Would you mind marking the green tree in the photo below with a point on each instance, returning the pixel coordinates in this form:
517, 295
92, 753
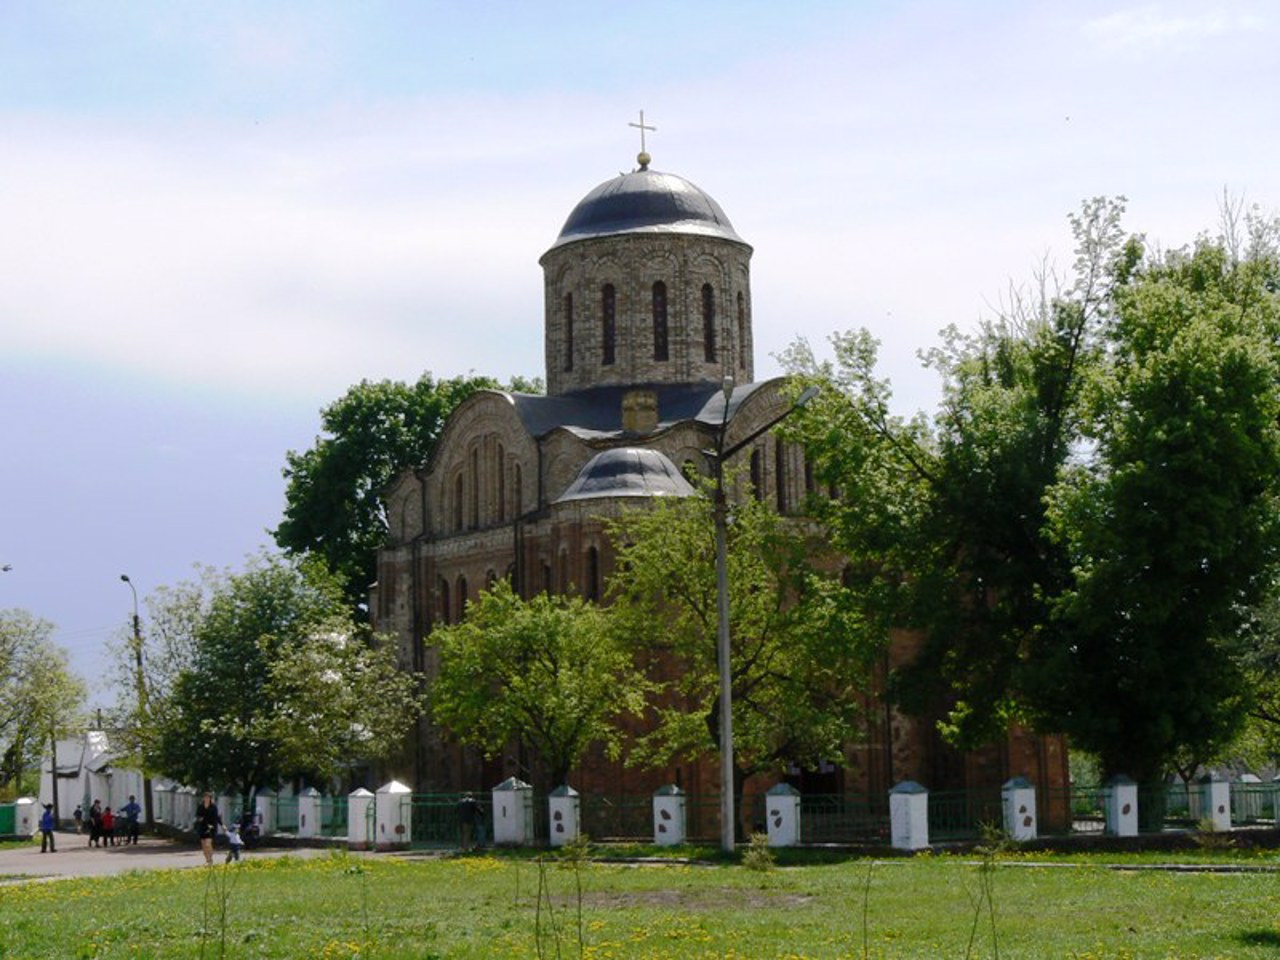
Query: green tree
281, 683
1089, 512
333, 497
547, 672
1170, 525
799, 657
40, 697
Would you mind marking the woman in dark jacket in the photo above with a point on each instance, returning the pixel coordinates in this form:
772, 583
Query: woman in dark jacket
207, 823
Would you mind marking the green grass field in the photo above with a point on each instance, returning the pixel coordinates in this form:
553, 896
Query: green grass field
494, 907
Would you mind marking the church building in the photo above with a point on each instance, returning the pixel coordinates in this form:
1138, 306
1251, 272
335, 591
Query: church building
649, 354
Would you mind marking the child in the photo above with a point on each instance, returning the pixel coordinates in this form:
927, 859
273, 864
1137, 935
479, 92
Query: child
108, 827
234, 842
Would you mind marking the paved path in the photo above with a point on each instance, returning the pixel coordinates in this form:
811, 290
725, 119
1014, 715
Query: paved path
75, 858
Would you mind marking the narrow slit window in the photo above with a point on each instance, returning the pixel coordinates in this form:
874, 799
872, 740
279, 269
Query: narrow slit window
742, 331
660, 321
708, 323
568, 332
608, 324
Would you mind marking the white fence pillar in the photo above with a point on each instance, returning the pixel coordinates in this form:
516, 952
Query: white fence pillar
264, 811
164, 795
1122, 807
394, 815
564, 807
782, 811
184, 816
513, 813
309, 813
26, 816
1215, 794
670, 815
909, 816
1019, 799
360, 819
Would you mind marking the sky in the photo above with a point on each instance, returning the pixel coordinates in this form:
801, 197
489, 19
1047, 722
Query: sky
215, 218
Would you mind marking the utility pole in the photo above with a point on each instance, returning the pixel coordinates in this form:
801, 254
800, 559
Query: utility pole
144, 713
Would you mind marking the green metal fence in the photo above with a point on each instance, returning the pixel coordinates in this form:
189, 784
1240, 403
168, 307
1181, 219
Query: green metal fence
286, 814
1077, 809
434, 819
617, 818
1253, 804
333, 817
963, 814
832, 818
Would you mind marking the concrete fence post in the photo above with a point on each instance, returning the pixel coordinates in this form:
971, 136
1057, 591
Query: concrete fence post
670, 812
309, 813
513, 813
1122, 806
909, 816
564, 808
360, 819
394, 816
1018, 797
1215, 795
782, 811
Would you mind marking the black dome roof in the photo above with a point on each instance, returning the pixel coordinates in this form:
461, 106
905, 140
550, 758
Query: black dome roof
628, 472
646, 201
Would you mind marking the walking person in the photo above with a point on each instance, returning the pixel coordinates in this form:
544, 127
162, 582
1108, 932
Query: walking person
131, 811
95, 822
78, 817
234, 841
207, 823
47, 824
468, 814
108, 828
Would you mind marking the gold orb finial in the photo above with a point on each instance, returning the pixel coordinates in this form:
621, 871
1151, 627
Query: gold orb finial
643, 159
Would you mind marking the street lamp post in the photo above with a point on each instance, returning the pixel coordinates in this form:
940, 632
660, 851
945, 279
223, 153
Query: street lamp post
141, 683
720, 513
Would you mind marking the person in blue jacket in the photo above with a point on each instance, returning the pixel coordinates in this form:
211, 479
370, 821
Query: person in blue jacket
46, 829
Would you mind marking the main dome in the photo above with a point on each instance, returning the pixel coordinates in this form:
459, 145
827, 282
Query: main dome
646, 201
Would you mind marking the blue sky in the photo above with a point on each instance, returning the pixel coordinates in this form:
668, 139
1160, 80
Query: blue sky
216, 217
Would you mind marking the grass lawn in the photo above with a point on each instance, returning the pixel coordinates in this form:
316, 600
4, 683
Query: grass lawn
494, 907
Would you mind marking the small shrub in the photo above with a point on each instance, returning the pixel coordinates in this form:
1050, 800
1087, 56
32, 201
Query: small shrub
1207, 836
758, 856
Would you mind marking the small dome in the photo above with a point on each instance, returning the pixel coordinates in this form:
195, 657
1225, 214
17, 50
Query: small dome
646, 201
628, 472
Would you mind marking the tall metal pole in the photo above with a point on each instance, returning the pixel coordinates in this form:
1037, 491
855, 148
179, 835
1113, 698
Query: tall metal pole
720, 510
727, 807
141, 683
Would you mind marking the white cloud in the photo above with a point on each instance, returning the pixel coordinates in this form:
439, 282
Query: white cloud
1155, 27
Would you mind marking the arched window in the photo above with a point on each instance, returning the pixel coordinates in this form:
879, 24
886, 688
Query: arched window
593, 574
445, 609
547, 585
457, 502
780, 473
500, 471
742, 331
810, 485
608, 324
659, 321
568, 332
475, 488
462, 598
708, 323
757, 474
518, 494
564, 570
